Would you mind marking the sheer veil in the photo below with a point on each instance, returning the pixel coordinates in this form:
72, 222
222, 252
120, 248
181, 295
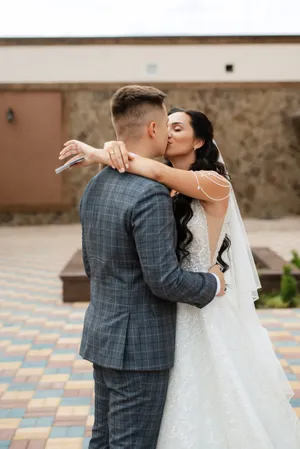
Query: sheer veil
243, 283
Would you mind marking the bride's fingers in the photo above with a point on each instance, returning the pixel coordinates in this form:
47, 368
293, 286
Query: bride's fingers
113, 157
69, 150
68, 153
64, 151
124, 154
70, 146
70, 142
118, 158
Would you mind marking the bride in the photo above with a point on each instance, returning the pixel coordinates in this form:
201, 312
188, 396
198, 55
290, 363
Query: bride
227, 389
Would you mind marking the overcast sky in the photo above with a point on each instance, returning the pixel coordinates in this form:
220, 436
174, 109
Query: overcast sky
59, 18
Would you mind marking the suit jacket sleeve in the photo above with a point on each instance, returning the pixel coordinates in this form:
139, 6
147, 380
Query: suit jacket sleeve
153, 231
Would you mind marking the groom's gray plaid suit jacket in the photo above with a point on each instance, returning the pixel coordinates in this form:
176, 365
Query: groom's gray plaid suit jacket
128, 240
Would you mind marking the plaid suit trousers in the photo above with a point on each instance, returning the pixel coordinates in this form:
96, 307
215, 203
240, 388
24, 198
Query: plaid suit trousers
128, 408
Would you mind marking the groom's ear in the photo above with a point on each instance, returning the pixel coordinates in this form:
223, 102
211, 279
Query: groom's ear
152, 130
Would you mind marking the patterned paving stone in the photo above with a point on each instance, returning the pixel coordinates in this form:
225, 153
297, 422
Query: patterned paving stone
46, 389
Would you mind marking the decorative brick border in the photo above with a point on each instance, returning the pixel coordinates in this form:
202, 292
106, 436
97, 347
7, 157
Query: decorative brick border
271, 269
76, 286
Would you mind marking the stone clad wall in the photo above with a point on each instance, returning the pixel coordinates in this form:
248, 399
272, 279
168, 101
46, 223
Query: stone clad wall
256, 128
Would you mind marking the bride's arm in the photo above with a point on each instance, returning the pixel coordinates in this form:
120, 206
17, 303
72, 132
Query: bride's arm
203, 185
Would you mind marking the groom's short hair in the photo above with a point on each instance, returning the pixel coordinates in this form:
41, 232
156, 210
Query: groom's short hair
130, 104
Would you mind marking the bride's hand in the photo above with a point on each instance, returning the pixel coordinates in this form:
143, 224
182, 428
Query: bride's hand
78, 149
118, 155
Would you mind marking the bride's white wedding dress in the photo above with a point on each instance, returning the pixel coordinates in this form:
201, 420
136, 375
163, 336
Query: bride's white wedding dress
226, 388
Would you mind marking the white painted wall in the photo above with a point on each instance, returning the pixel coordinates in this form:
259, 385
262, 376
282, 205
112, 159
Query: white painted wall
149, 63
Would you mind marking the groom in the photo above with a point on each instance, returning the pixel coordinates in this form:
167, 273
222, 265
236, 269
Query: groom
129, 240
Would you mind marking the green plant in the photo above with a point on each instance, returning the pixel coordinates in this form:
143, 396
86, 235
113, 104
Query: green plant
288, 287
276, 303
270, 301
295, 259
288, 296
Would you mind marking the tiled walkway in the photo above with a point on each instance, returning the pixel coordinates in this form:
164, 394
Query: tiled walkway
45, 387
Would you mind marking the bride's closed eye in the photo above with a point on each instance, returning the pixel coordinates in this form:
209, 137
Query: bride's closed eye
175, 128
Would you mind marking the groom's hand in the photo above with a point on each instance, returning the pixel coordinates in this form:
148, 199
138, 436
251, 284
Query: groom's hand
217, 271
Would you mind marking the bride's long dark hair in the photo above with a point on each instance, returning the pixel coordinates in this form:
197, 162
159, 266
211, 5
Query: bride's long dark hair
206, 159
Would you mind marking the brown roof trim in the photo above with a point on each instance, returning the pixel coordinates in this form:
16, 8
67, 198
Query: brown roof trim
154, 40
71, 87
